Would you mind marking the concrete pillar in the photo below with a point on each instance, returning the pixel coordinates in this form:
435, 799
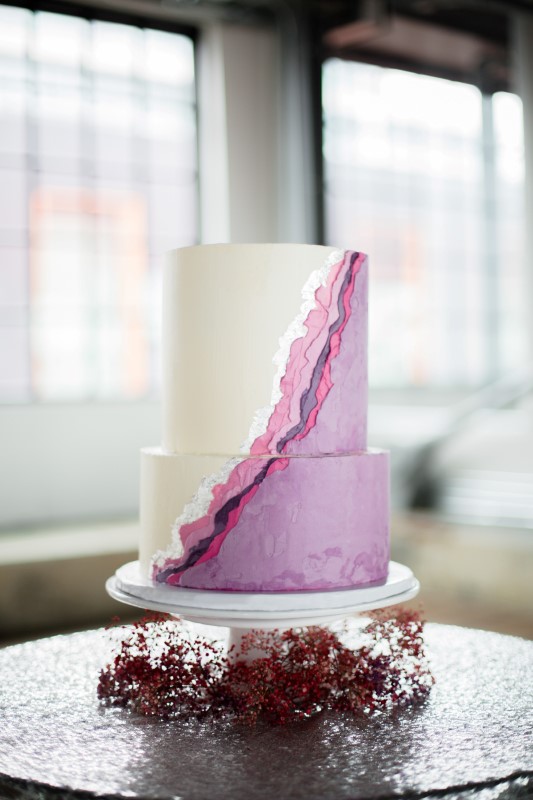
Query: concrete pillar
258, 180
523, 71
238, 134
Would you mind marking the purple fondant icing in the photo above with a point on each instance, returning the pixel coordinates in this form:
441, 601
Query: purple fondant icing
321, 523
306, 521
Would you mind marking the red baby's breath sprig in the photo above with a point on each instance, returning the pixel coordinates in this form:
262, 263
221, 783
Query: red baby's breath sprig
162, 670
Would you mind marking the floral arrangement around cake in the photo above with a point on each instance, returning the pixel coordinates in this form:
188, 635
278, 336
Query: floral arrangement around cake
164, 670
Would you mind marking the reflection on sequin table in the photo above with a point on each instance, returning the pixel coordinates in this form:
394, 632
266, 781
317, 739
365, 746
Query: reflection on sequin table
473, 737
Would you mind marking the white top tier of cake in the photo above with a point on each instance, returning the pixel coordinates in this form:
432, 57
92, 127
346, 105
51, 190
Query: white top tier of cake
230, 316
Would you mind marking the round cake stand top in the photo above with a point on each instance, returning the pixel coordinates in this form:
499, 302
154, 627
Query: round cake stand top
245, 610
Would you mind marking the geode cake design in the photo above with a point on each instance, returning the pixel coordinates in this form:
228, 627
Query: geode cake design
306, 505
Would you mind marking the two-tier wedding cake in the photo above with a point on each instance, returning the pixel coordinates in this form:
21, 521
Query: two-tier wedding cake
264, 482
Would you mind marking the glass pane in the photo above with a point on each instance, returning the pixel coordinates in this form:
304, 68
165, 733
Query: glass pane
407, 171
170, 213
13, 277
171, 141
14, 346
13, 201
169, 59
58, 118
13, 142
97, 177
58, 39
14, 27
115, 49
14, 365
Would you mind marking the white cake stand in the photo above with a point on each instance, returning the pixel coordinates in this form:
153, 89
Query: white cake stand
243, 611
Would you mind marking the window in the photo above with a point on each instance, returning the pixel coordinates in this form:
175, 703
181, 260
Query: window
426, 175
98, 178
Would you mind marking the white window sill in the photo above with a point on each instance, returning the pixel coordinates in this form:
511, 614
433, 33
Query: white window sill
54, 579
68, 542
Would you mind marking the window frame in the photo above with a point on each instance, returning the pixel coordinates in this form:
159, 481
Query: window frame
40, 438
35, 433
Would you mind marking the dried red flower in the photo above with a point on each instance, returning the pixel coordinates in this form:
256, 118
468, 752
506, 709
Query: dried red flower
161, 671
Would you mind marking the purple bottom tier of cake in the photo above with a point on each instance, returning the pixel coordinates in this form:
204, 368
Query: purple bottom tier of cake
310, 523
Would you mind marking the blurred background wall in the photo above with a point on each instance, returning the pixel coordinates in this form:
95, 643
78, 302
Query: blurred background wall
404, 129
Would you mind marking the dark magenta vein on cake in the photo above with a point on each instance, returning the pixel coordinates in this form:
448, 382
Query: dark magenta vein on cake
308, 400
308, 403
220, 521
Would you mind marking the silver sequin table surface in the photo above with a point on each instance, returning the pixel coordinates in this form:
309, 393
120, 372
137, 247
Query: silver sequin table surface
471, 738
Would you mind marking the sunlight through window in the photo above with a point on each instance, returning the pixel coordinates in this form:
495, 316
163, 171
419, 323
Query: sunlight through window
98, 178
421, 177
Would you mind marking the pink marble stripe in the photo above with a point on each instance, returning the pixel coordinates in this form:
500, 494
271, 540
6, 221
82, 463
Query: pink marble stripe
303, 359
303, 356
